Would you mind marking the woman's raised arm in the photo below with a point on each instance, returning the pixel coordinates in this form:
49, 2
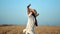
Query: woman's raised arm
28, 9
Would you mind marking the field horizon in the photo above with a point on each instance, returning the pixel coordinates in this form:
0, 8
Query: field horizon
17, 29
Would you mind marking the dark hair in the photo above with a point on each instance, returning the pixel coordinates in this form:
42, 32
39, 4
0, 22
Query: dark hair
35, 19
33, 15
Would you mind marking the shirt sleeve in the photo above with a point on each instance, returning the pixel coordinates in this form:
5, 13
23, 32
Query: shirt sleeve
30, 14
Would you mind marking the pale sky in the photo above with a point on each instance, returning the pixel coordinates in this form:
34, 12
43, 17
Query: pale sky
14, 11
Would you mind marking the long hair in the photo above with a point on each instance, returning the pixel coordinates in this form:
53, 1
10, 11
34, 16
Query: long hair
35, 19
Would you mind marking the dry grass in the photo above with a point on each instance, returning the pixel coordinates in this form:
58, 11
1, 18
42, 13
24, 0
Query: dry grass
16, 29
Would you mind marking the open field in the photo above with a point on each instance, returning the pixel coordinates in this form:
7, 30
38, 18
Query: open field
17, 29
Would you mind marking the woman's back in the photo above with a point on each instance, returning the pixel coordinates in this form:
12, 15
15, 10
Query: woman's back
31, 21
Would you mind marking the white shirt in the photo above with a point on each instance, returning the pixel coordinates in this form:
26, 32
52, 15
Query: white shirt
30, 23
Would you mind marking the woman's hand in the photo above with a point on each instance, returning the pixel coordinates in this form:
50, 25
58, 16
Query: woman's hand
28, 5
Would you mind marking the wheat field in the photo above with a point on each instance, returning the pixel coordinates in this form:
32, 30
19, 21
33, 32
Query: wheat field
17, 29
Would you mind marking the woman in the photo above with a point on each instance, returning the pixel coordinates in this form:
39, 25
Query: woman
31, 21
35, 14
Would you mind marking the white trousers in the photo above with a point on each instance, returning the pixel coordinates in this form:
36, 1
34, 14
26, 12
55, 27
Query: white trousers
30, 32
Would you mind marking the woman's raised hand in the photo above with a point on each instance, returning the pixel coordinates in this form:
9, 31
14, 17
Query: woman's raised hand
28, 5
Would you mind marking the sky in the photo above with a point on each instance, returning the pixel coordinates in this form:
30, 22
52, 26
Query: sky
15, 11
